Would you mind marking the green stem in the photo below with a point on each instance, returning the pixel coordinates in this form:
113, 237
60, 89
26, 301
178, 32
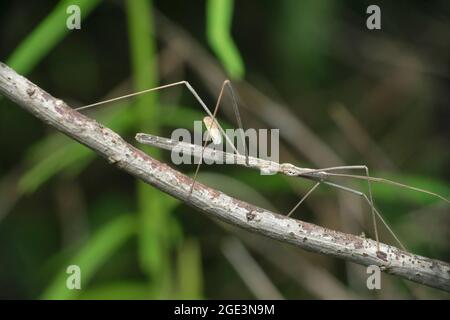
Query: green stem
153, 218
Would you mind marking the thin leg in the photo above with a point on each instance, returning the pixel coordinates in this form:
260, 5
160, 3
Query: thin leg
238, 118
370, 199
363, 195
387, 181
197, 97
190, 88
303, 199
207, 137
375, 179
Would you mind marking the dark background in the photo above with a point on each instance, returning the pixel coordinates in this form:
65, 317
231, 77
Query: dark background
353, 96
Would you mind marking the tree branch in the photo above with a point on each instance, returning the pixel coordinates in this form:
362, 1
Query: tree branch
110, 145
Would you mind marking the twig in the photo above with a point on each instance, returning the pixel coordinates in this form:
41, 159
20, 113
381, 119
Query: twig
110, 145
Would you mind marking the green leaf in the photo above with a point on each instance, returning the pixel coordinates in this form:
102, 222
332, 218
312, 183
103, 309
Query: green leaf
46, 35
54, 162
153, 218
218, 25
303, 34
92, 256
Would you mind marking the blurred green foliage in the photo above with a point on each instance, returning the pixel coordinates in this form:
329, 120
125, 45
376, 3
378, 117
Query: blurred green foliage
46, 35
134, 242
300, 20
154, 241
94, 253
219, 16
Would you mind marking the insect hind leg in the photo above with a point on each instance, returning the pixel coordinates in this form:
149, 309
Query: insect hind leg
378, 214
369, 199
303, 198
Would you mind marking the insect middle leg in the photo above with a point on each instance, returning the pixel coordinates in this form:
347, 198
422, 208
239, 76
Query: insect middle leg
369, 199
197, 97
214, 122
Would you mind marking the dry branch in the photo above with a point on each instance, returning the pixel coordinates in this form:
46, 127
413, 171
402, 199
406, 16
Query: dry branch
110, 145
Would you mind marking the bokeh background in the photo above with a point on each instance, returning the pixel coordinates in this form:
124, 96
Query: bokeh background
340, 93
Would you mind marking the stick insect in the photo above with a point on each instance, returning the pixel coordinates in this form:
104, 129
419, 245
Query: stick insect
215, 133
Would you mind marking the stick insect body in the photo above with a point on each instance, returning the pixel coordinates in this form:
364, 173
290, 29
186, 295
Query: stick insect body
215, 133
